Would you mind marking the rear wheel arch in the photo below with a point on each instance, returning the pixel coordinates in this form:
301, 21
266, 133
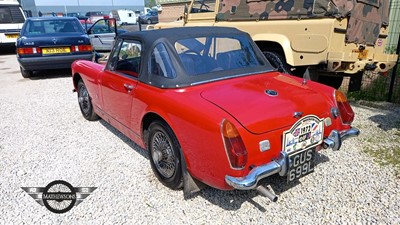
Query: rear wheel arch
148, 119
275, 43
285, 55
146, 122
271, 47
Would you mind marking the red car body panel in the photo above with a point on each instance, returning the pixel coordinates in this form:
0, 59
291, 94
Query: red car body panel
227, 106
195, 114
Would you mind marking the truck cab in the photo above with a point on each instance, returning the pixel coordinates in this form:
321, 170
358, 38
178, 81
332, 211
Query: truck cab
329, 39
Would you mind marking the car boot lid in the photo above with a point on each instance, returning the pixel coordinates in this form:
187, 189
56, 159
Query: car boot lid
280, 99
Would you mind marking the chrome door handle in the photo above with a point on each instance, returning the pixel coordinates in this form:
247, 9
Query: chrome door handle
128, 87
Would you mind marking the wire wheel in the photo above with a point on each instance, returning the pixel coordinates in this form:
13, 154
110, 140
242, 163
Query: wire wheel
163, 154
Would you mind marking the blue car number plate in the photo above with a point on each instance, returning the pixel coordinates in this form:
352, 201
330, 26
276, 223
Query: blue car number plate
301, 164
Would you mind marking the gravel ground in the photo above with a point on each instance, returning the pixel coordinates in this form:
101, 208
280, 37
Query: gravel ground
43, 137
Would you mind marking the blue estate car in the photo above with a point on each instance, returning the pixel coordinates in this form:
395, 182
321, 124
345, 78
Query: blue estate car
149, 18
51, 43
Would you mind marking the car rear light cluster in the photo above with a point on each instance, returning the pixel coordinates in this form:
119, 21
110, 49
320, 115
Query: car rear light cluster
29, 51
81, 48
234, 145
345, 110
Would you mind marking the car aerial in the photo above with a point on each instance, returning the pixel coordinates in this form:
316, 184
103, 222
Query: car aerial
149, 18
210, 109
51, 43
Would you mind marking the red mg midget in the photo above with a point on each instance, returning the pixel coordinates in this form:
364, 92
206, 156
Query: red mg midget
210, 109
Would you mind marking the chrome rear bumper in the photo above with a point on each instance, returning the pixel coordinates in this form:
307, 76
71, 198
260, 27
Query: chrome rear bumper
281, 164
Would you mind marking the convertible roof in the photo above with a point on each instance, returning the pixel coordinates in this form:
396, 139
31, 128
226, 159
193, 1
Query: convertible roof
150, 38
173, 34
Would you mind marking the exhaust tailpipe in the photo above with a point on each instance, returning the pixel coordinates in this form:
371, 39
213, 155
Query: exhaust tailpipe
262, 190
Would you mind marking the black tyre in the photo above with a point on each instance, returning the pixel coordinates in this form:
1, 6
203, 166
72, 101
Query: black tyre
25, 73
164, 154
149, 21
277, 61
85, 102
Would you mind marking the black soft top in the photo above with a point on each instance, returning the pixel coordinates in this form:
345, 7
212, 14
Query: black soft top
169, 36
173, 34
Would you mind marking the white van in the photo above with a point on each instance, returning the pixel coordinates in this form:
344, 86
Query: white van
124, 16
11, 20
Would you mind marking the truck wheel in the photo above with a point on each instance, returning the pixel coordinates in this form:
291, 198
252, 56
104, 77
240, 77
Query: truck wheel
277, 61
148, 21
164, 155
25, 73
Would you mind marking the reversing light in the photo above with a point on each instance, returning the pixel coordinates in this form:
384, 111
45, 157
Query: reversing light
234, 145
345, 110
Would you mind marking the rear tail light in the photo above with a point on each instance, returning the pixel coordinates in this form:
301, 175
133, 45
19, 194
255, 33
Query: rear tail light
29, 51
345, 110
81, 48
234, 145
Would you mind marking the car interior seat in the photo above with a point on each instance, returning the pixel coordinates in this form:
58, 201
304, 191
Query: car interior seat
188, 63
231, 60
36, 29
68, 27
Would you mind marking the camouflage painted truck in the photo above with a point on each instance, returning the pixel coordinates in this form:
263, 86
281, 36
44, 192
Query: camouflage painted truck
332, 38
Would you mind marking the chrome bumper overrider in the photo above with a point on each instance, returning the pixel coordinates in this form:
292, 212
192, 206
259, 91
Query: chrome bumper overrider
281, 164
335, 139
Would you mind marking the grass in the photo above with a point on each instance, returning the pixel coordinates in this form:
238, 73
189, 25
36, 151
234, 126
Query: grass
382, 143
376, 88
387, 156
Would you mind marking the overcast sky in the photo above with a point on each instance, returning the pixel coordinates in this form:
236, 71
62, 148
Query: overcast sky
89, 2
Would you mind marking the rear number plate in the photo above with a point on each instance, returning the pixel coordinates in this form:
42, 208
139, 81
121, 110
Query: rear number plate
301, 164
56, 50
362, 54
12, 35
304, 134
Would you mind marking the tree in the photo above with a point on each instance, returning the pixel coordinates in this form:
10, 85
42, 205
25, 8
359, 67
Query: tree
152, 3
